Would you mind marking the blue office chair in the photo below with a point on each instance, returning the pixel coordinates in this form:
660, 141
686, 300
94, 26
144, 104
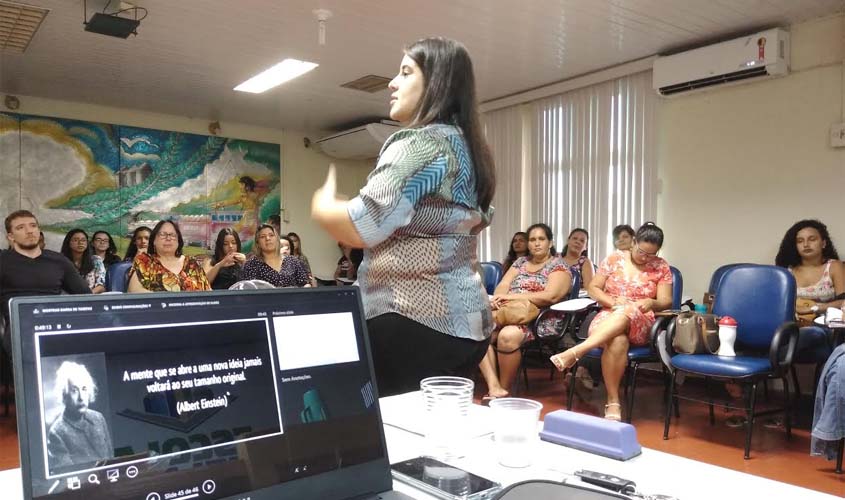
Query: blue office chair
762, 300
637, 355
491, 275
715, 280
548, 345
116, 276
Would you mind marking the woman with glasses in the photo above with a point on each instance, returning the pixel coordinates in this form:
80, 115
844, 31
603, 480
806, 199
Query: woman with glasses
76, 248
163, 268
273, 262
105, 248
630, 285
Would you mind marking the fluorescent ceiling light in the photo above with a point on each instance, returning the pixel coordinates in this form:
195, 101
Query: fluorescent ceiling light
277, 75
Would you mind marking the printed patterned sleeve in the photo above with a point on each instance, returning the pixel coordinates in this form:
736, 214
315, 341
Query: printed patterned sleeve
199, 281
142, 267
665, 274
412, 165
250, 270
99, 272
559, 265
606, 266
300, 274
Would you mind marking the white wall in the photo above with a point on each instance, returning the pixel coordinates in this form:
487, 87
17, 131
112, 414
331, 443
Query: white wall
739, 165
303, 169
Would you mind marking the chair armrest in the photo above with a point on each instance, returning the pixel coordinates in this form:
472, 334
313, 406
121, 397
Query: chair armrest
660, 323
786, 333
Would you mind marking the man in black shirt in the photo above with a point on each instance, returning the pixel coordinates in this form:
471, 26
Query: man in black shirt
26, 269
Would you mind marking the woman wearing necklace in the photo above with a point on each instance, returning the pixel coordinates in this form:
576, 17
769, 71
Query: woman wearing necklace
574, 255
630, 286
273, 262
542, 278
76, 248
163, 268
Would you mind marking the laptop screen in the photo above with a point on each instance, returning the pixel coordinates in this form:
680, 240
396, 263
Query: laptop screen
234, 394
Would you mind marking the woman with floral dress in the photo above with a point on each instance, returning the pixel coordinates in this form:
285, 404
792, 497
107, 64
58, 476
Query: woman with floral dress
164, 268
630, 285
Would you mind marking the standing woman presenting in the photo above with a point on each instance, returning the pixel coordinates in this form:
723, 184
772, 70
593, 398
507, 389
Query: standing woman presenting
418, 219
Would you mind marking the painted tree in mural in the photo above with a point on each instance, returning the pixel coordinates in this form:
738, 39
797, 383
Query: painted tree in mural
115, 178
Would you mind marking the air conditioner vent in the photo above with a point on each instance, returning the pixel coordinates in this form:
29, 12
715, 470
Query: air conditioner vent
18, 24
369, 83
715, 80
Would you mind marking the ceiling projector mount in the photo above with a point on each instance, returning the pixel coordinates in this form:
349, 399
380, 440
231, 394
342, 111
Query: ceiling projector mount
112, 23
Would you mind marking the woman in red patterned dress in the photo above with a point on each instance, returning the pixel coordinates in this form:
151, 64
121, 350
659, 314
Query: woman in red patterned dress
629, 285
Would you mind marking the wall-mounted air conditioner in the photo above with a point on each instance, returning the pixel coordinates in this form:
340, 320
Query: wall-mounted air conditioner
359, 143
752, 57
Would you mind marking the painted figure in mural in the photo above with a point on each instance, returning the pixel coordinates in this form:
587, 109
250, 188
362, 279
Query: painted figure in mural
250, 201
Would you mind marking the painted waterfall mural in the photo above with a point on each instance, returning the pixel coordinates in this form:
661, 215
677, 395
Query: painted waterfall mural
115, 178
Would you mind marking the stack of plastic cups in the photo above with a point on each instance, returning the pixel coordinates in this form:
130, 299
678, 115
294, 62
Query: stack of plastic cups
446, 401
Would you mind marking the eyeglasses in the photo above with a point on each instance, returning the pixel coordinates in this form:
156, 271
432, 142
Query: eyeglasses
168, 236
644, 254
101, 240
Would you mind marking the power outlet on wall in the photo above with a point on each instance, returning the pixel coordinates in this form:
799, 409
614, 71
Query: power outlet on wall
837, 135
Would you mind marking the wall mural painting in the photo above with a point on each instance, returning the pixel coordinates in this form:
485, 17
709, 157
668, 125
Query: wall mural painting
115, 178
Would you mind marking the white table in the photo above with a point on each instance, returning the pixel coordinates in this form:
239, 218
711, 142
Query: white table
653, 471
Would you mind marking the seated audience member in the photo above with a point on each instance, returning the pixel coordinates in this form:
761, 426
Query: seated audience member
518, 248
542, 278
296, 251
104, 248
574, 255
225, 267
27, 269
347, 265
76, 248
272, 261
630, 285
139, 242
623, 237
808, 252
163, 268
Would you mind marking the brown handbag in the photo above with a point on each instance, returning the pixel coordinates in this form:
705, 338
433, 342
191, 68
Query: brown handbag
696, 333
805, 319
516, 312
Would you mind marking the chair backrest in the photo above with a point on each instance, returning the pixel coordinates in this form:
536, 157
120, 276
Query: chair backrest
116, 276
492, 275
677, 287
719, 272
576, 286
760, 298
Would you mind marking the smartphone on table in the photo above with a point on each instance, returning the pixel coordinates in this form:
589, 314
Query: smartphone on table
444, 481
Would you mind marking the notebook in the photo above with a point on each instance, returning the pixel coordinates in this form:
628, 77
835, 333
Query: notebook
258, 394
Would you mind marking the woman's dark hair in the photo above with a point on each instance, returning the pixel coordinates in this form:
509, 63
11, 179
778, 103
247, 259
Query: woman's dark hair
511, 258
86, 265
132, 249
649, 232
221, 238
255, 249
248, 182
622, 228
549, 235
152, 248
576, 230
293, 250
449, 97
788, 253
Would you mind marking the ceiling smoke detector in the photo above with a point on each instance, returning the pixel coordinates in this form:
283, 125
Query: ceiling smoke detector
18, 24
